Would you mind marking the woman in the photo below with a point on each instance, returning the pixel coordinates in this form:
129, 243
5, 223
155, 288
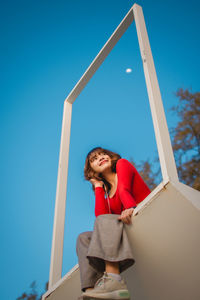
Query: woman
104, 253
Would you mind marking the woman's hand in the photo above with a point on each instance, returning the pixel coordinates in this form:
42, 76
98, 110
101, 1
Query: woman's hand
96, 183
126, 216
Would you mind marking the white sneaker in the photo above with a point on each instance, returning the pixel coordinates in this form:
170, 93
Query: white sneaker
107, 287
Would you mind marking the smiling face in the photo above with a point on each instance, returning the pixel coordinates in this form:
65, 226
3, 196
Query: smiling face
100, 161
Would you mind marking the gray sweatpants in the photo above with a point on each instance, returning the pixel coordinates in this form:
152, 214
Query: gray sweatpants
108, 241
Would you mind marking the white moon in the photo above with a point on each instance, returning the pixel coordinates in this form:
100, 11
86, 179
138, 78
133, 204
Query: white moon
128, 70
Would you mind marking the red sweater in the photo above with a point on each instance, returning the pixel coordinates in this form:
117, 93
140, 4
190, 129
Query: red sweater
131, 190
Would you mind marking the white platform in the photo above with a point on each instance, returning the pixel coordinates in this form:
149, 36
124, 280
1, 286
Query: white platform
165, 240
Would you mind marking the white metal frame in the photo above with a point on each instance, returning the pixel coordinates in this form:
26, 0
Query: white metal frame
165, 152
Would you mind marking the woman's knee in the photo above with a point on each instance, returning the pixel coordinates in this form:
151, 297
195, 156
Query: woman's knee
83, 238
103, 217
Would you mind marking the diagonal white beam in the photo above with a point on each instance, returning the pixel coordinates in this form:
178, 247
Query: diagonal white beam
117, 34
165, 152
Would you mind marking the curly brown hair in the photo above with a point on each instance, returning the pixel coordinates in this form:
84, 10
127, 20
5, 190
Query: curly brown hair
89, 173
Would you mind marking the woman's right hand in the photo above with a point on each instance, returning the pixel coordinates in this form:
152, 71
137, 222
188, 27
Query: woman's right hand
96, 183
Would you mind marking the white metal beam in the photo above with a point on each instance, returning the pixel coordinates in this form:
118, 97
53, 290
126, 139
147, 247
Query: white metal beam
59, 217
166, 156
112, 41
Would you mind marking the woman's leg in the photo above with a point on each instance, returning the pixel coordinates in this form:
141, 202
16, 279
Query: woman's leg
109, 249
112, 267
88, 275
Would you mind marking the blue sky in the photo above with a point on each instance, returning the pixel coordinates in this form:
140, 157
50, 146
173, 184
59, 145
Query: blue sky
46, 46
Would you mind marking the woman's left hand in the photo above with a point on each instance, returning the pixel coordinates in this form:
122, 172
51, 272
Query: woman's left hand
126, 216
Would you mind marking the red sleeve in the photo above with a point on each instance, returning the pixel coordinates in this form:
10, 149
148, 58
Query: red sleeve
127, 177
101, 205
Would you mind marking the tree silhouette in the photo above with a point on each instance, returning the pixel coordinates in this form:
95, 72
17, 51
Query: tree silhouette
186, 137
185, 143
33, 294
145, 168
